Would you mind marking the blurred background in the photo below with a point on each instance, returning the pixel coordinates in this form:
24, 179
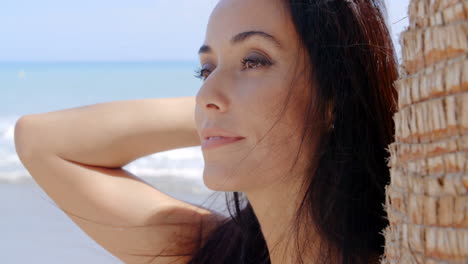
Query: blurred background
63, 54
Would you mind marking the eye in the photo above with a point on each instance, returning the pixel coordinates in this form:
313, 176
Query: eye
202, 73
251, 62
254, 62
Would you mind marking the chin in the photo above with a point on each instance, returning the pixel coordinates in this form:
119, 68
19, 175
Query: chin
220, 180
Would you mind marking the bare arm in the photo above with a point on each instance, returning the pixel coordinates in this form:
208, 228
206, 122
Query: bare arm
111, 134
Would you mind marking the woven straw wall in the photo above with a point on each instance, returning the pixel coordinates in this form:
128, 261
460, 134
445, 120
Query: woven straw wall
427, 199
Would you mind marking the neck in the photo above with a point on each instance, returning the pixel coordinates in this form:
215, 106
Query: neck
275, 208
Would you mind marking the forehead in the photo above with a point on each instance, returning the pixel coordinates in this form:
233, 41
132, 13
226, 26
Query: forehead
231, 17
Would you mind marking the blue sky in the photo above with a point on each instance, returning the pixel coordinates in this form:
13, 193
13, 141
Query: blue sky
114, 30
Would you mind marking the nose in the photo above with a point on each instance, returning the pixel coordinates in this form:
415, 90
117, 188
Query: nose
211, 96
212, 106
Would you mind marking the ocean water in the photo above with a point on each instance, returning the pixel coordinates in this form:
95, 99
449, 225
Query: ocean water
33, 228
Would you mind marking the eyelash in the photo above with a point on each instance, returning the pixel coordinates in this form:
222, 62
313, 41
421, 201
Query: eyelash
262, 61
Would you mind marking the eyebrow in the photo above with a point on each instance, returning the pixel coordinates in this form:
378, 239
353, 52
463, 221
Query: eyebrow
243, 36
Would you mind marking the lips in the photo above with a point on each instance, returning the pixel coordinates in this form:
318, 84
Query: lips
213, 132
213, 142
215, 136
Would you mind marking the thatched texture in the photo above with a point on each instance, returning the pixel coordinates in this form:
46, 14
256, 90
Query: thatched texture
427, 199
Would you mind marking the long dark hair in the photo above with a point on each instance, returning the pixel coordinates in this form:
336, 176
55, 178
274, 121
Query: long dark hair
353, 67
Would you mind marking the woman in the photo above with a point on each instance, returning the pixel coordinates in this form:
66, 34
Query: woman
301, 94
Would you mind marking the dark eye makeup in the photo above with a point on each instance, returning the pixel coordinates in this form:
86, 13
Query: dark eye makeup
250, 62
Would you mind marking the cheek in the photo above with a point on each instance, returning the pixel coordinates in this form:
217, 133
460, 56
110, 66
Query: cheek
263, 105
277, 133
262, 99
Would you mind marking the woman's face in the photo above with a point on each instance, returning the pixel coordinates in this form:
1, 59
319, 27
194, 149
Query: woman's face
250, 60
